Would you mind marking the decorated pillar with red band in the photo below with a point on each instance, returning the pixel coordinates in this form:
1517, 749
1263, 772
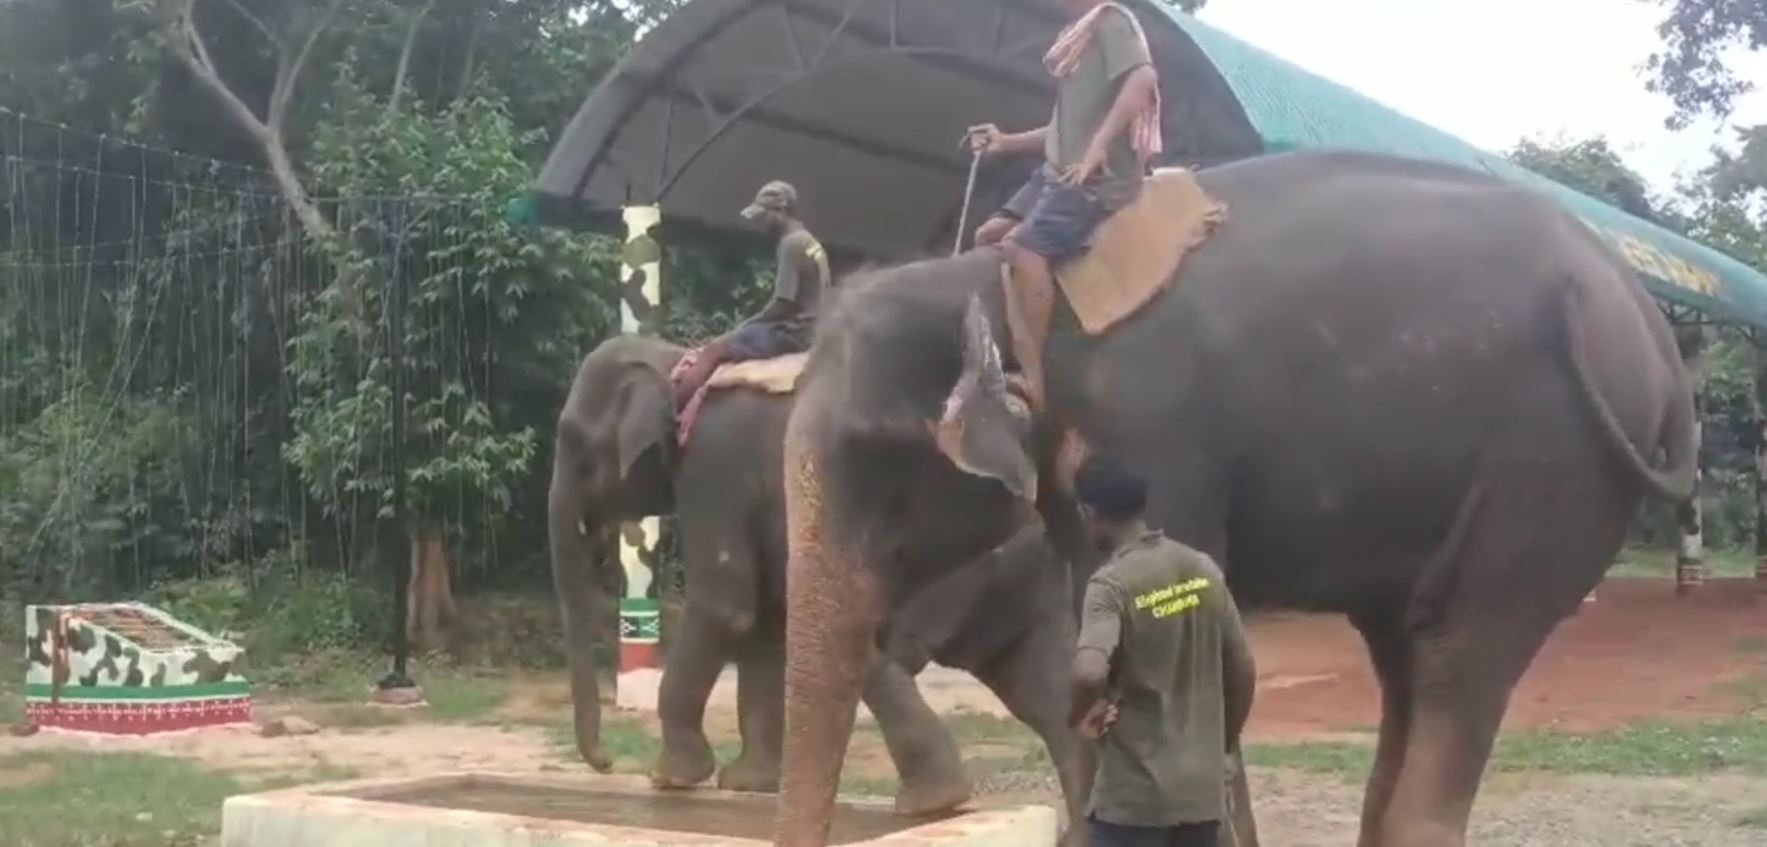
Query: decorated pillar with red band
640, 623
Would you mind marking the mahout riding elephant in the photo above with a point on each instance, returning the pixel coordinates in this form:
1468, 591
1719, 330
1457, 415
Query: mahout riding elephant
1396, 390
1006, 617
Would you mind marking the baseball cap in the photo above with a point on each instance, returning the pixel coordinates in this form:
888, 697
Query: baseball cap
775, 196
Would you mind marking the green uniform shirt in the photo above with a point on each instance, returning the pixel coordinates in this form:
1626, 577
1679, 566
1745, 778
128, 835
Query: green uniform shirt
1161, 611
800, 280
1084, 97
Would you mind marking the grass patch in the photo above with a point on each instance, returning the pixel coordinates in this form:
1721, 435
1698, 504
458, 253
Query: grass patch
1656, 749
12, 684
1753, 819
111, 800
330, 676
1343, 758
982, 728
463, 697
1752, 645
1647, 749
629, 742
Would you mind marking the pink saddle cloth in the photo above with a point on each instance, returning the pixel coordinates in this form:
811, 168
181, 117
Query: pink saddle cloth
778, 375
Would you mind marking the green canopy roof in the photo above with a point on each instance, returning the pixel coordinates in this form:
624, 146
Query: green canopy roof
1294, 109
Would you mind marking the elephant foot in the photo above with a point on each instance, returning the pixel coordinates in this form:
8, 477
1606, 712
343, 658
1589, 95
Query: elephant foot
749, 773
932, 796
683, 768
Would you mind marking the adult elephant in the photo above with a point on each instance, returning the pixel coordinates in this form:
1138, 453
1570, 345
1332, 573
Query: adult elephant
1396, 390
1005, 618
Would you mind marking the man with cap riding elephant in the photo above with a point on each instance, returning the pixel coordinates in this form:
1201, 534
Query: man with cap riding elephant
787, 322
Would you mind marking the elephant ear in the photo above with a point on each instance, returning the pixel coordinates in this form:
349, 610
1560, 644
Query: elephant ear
646, 420
983, 429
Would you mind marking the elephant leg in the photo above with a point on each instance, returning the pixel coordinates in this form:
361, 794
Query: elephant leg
694, 662
925, 754
1031, 681
1533, 543
760, 706
1389, 651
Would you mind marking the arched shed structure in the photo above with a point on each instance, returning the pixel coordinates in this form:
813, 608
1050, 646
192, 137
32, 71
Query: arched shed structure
862, 104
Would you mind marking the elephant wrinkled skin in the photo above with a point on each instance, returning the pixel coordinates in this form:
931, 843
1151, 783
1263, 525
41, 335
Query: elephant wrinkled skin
1006, 617
1391, 389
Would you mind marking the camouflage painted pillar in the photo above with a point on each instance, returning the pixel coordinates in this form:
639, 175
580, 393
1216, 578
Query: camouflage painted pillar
1690, 566
640, 629
1760, 410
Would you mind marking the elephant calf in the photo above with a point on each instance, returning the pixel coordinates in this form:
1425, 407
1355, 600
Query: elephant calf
1006, 618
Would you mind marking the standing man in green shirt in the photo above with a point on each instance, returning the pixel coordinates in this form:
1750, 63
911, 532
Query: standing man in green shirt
1097, 146
787, 322
1162, 675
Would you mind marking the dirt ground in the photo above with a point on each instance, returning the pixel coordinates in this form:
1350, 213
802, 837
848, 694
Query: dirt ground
1636, 652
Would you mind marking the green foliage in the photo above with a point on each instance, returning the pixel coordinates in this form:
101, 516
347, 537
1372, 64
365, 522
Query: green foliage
95, 487
1692, 68
1590, 166
462, 696
522, 292
314, 612
218, 604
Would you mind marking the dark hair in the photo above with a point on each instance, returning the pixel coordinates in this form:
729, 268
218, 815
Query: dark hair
1111, 489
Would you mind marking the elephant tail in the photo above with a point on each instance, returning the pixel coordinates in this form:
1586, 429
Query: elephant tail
1678, 435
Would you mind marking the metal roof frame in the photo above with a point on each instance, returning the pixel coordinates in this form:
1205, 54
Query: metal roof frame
867, 99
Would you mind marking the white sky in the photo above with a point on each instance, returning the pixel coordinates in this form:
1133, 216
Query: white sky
1496, 71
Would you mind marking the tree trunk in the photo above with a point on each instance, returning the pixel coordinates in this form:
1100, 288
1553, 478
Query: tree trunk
431, 611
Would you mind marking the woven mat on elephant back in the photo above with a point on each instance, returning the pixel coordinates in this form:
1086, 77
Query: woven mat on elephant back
778, 375
1135, 252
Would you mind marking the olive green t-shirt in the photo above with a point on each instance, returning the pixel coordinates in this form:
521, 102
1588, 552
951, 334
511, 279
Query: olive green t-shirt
801, 277
1161, 611
1085, 96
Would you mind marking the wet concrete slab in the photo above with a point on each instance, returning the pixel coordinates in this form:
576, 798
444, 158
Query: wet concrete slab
505, 810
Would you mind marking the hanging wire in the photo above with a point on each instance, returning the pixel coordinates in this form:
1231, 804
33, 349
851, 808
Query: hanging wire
154, 279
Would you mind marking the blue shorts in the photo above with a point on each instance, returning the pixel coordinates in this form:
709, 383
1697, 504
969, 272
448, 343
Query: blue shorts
759, 341
1102, 834
1058, 219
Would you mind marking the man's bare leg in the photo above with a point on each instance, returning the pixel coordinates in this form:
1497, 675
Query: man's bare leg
1030, 302
710, 357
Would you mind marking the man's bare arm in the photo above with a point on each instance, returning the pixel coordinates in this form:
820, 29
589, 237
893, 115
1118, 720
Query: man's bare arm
1027, 141
1087, 679
1135, 93
989, 140
1239, 675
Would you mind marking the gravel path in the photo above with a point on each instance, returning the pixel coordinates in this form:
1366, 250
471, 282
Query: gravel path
1303, 810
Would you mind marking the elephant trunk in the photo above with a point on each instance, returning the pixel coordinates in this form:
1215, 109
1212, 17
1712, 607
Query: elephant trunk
832, 604
576, 563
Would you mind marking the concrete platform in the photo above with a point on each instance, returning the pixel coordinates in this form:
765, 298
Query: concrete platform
504, 810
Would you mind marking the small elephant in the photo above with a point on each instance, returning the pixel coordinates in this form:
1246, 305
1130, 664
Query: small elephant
1006, 617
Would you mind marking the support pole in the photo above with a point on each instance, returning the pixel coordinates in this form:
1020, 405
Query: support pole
1760, 412
640, 621
1690, 566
